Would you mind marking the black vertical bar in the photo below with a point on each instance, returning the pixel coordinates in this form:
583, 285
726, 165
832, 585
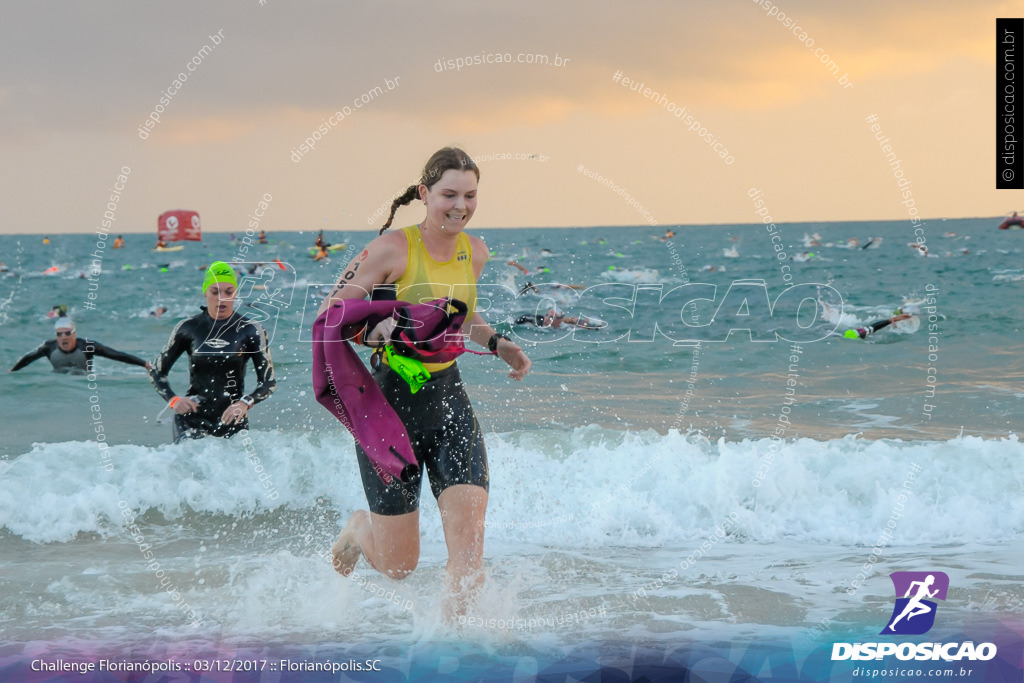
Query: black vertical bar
1009, 104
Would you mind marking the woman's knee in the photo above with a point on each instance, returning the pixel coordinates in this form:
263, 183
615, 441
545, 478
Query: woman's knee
397, 567
397, 545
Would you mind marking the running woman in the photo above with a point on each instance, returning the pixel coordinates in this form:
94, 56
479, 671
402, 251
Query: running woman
419, 263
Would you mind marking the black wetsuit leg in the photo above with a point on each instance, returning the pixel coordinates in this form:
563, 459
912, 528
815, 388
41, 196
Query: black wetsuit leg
444, 435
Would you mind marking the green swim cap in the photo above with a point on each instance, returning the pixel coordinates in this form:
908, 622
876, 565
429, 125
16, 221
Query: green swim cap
219, 272
851, 334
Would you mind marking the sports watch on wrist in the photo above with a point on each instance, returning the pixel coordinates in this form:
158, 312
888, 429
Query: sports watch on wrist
492, 343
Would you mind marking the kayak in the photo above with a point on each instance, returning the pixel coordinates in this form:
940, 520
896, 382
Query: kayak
333, 247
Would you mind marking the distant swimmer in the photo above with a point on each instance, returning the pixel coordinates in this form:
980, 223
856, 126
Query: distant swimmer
555, 319
219, 343
530, 288
872, 242
915, 606
69, 354
669, 234
526, 271
521, 267
58, 311
263, 236
160, 310
119, 242
863, 332
812, 240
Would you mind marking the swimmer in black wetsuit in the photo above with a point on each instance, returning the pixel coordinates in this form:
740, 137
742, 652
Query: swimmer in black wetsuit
862, 332
555, 319
69, 354
219, 343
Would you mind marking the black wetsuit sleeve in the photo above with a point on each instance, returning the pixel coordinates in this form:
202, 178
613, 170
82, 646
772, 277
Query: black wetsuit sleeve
879, 324
865, 332
41, 352
264, 365
113, 354
176, 345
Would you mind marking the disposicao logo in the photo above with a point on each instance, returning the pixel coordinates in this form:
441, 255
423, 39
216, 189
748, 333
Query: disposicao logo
913, 615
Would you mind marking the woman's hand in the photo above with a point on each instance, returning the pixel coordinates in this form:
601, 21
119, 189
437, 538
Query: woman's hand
516, 358
184, 405
381, 334
234, 413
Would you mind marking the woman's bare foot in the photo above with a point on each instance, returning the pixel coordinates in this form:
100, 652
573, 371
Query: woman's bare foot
346, 550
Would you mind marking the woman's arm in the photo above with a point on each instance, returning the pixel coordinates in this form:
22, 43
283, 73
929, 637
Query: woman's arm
265, 380
382, 262
176, 345
481, 333
507, 350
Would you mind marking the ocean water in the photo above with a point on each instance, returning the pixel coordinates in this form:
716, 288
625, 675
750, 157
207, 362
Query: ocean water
712, 466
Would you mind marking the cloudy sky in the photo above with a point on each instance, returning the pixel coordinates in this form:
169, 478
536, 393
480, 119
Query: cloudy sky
78, 80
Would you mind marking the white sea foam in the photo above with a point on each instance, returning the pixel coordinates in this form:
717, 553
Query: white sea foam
584, 487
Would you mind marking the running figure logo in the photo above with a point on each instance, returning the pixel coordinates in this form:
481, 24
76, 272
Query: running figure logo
916, 588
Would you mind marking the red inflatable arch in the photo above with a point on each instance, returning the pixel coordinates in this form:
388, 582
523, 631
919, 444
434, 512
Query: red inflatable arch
173, 226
